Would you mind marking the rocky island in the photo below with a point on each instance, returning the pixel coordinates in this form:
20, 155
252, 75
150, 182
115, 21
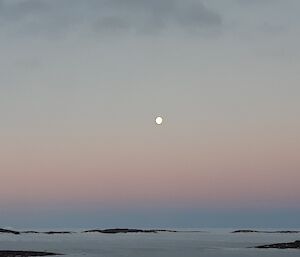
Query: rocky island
8, 231
48, 232
104, 231
126, 230
292, 245
14, 232
25, 254
268, 232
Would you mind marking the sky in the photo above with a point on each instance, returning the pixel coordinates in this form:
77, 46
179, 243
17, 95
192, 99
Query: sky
81, 82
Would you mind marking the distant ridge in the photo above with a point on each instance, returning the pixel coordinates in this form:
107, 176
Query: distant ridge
47, 232
103, 231
127, 230
268, 232
25, 254
7, 231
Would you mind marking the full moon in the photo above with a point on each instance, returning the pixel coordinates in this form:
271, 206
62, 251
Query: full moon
159, 120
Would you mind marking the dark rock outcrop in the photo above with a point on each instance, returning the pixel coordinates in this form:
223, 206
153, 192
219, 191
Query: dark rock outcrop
57, 232
104, 231
47, 232
293, 245
108, 231
267, 232
245, 231
119, 230
7, 231
126, 230
167, 230
24, 254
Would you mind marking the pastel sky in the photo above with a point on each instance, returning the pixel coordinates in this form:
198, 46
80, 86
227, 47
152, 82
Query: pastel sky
81, 82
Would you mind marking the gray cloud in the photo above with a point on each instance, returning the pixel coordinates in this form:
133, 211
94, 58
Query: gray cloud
63, 16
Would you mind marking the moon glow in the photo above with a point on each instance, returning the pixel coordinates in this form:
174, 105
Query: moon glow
159, 120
